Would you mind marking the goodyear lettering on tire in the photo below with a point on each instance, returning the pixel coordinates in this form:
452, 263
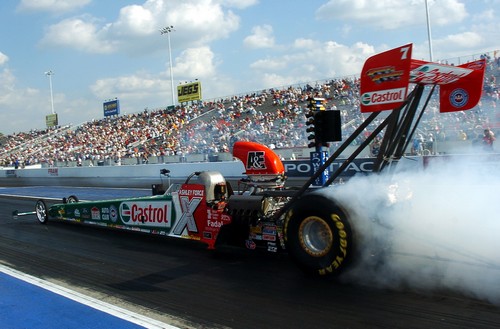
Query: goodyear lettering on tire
336, 256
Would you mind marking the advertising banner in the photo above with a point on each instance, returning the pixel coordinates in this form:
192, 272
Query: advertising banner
189, 92
111, 107
51, 120
317, 160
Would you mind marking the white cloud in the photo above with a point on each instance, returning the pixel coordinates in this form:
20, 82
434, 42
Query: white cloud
138, 20
309, 60
487, 15
273, 64
240, 4
136, 30
57, 6
20, 104
77, 33
392, 14
3, 58
305, 43
446, 12
453, 46
7, 85
141, 88
275, 80
137, 87
195, 63
464, 40
200, 22
261, 37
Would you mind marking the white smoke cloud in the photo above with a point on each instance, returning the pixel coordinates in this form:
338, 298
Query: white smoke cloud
442, 233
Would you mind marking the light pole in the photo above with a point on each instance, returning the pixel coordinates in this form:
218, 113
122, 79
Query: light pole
167, 30
428, 29
49, 74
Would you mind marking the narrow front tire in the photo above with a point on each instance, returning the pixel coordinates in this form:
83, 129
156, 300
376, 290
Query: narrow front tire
41, 211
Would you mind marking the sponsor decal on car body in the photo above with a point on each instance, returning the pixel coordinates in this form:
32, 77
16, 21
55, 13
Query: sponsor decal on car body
459, 97
144, 213
387, 96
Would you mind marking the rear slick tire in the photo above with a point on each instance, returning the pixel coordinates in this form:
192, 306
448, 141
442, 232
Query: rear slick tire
318, 236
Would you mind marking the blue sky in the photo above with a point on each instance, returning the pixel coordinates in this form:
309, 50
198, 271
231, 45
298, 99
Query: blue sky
102, 49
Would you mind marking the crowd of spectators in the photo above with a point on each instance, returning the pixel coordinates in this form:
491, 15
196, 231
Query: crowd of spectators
274, 117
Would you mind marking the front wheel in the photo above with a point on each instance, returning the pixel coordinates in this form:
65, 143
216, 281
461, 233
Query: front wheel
41, 211
318, 235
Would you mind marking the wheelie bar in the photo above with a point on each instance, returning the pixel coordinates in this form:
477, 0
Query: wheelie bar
16, 214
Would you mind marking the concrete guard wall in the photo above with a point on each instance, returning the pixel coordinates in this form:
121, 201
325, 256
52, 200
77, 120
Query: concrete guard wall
116, 176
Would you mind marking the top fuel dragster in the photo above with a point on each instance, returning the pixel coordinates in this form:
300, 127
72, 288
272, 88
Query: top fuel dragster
312, 228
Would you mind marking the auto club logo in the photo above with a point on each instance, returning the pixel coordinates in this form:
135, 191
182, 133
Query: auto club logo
113, 213
459, 97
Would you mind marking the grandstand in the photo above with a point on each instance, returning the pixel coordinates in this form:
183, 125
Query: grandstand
205, 131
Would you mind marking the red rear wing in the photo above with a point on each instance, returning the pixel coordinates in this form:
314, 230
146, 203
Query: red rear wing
385, 80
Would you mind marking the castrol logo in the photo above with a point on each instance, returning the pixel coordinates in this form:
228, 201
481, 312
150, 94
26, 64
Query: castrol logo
146, 213
383, 96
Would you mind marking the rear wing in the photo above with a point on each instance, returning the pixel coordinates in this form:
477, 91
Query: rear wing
386, 79
393, 81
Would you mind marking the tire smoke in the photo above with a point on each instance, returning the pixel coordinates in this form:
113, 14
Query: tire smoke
427, 230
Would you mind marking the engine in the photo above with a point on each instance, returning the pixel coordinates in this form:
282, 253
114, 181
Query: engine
253, 223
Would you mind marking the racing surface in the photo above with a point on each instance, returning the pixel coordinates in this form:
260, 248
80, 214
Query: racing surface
181, 283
